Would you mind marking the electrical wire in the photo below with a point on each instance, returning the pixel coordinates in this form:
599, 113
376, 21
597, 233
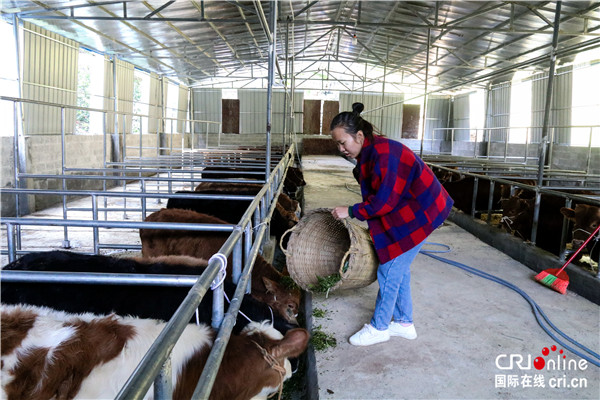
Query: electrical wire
538, 312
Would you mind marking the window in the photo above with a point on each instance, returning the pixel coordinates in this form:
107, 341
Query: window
172, 108
586, 101
90, 92
229, 94
520, 108
9, 78
141, 98
477, 114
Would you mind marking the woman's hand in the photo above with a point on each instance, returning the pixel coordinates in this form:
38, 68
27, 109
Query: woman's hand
340, 212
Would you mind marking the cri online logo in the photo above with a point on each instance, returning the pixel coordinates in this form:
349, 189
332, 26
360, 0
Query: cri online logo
539, 363
560, 363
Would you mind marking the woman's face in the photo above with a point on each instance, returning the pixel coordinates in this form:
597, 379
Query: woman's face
348, 144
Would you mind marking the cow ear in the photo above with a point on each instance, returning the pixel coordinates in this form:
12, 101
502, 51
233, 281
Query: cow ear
568, 212
271, 285
292, 345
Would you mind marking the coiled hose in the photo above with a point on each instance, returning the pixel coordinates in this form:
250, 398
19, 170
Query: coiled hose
540, 316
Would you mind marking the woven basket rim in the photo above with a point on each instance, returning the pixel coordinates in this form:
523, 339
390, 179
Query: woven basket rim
360, 256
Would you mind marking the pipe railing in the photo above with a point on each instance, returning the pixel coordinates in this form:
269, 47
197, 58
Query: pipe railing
151, 368
486, 136
569, 197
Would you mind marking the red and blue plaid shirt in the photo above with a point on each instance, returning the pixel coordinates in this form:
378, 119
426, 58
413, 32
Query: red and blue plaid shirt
403, 202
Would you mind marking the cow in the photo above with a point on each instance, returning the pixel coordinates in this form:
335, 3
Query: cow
293, 180
266, 280
461, 192
248, 189
586, 219
232, 211
517, 218
143, 301
505, 190
52, 354
444, 175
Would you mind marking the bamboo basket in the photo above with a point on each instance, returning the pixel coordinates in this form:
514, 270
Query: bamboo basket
321, 246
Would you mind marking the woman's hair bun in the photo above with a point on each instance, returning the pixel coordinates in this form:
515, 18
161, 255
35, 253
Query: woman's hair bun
357, 108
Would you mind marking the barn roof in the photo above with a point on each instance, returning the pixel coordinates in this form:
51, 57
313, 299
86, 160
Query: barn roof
455, 44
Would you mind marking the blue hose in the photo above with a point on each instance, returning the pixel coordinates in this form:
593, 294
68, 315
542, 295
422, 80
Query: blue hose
536, 308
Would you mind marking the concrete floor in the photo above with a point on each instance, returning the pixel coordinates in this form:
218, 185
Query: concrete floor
465, 323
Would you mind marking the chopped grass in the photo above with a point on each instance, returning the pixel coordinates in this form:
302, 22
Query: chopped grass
295, 387
288, 283
324, 284
321, 340
318, 313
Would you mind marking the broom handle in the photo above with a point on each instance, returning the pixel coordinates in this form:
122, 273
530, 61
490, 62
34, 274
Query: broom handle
579, 249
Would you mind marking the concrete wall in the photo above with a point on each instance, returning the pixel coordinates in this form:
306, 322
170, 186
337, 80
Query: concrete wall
148, 145
576, 158
44, 157
6, 172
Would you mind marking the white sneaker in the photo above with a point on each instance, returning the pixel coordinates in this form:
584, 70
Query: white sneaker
407, 332
368, 335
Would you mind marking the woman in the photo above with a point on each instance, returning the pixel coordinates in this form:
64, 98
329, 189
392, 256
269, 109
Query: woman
403, 203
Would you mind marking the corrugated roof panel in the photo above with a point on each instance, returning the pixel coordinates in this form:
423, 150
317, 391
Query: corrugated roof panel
192, 41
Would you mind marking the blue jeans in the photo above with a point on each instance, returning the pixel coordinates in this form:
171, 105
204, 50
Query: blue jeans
394, 298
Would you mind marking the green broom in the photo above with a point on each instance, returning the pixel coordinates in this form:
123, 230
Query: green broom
557, 279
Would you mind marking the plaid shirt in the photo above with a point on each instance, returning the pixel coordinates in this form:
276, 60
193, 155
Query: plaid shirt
403, 202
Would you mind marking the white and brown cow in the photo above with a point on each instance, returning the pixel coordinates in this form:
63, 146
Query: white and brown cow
51, 354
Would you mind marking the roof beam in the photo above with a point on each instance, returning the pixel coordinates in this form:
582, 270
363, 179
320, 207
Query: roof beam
159, 9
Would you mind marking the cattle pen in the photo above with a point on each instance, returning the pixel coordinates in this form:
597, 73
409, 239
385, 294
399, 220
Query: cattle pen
201, 129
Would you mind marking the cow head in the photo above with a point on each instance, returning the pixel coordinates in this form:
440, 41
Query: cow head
275, 351
285, 301
256, 362
585, 218
517, 216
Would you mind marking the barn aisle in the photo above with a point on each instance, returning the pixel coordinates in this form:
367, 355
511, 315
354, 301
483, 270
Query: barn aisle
468, 327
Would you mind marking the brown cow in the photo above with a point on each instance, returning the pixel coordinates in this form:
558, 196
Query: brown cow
586, 219
517, 215
245, 188
266, 279
51, 354
517, 218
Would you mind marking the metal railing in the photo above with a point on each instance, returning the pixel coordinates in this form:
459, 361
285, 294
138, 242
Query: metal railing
502, 135
554, 191
243, 244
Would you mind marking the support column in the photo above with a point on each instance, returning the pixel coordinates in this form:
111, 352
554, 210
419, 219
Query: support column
20, 152
548, 105
272, 61
544, 142
425, 92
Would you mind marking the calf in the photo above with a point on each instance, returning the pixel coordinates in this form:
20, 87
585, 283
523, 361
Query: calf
244, 189
517, 217
586, 219
292, 181
51, 354
143, 301
505, 190
266, 279
232, 211
461, 192
447, 176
